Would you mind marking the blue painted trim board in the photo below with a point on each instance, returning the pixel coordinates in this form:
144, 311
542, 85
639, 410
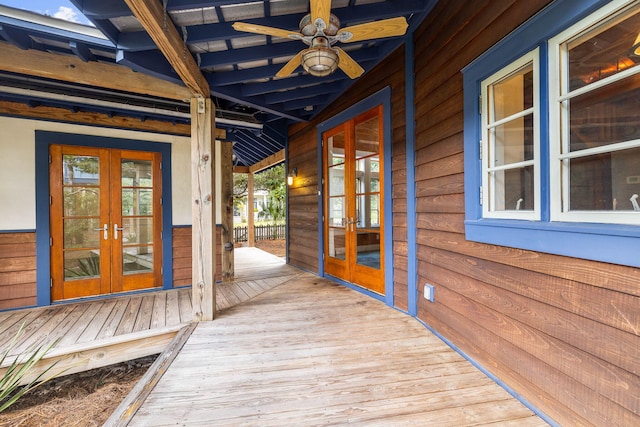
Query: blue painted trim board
412, 229
579, 240
43, 140
382, 97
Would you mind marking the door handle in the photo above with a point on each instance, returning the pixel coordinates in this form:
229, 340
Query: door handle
105, 231
115, 231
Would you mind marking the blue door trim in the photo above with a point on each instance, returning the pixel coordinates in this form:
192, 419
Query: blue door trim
43, 140
382, 97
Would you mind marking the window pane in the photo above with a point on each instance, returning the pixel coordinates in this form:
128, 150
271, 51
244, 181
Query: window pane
336, 212
137, 201
336, 149
606, 116
336, 181
512, 94
80, 170
82, 233
367, 138
137, 259
81, 201
368, 249
137, 231
512, 142
513, 189
81, 264
137, 173
605, 182
337, 243
603, 52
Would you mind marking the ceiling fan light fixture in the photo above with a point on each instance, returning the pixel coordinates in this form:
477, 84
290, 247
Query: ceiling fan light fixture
320, 61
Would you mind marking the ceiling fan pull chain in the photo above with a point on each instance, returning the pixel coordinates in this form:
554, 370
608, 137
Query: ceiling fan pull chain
184, 42
164, 17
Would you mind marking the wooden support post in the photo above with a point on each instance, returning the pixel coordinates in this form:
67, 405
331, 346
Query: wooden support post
226, 190
251, 238
203, 209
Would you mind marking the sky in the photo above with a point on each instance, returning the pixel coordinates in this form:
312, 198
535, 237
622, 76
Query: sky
62, 9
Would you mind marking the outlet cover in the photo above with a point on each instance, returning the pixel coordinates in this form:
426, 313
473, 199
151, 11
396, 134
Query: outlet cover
428, 292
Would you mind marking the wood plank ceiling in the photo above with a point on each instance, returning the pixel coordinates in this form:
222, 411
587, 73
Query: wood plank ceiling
239, 68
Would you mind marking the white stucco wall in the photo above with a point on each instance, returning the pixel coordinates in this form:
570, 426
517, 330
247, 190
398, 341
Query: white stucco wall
17, 169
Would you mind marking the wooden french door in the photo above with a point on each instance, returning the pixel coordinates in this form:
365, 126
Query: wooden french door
353, 201
105, 221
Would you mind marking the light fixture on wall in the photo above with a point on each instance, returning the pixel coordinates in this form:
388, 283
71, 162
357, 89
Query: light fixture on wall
635, 50
292, 174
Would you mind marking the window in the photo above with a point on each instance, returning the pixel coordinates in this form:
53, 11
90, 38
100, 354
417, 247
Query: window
510, 141
552, 150
594, 107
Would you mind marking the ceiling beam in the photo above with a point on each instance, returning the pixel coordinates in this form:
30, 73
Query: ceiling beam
160, 27
72, 69
272, 160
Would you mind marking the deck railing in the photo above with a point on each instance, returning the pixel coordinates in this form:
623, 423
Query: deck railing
261, 232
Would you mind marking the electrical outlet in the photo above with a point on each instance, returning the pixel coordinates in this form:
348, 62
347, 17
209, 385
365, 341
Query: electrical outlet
428, 292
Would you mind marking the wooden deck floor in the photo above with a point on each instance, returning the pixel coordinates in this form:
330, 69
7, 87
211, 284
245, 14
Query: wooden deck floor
106, 331
310, 352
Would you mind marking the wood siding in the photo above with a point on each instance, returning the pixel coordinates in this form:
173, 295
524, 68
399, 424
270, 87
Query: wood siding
17, 270
562, 332
18, 265
303, 154
182, 256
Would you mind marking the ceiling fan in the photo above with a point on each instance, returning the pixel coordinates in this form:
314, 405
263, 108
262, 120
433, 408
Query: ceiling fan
320, 30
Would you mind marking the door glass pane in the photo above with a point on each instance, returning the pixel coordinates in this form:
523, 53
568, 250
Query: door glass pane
137, 259
367, 138
81, 264
337, 248
368, 249
335, 145
82, 229
137, 216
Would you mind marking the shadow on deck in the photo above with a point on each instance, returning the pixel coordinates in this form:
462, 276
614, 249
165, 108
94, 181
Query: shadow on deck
102, 332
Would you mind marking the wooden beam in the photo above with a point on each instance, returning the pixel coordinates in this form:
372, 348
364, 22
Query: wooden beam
241, 169
226, 190
272, 160
203, 241
159, 26
72, 69
18, 109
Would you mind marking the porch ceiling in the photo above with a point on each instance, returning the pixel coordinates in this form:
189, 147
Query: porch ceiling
254, 106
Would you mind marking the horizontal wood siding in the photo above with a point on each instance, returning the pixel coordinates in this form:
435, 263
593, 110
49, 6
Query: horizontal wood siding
303, 154
17, 270
562, 332
182, 256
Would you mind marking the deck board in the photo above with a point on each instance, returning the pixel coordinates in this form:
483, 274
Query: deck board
309, 352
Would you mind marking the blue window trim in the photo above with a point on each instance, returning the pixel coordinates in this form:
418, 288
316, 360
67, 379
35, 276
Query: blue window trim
599, 242
382, 97
43, 140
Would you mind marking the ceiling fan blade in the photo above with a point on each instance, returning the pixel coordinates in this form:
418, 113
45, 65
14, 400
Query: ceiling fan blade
267, 31
321, 9
347, 64
374, 30
290, 66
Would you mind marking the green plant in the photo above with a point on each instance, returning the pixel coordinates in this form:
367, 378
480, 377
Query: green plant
21, 367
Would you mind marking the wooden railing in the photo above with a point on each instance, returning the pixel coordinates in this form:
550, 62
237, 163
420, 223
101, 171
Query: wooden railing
262, 232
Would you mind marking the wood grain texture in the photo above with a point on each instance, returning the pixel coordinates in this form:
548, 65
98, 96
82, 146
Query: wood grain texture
308, 361
17, 270
563, 332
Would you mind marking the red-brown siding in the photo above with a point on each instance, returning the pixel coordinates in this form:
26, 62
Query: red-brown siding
17, 270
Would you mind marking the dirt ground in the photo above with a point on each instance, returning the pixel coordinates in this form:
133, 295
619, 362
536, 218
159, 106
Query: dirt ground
88, 398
